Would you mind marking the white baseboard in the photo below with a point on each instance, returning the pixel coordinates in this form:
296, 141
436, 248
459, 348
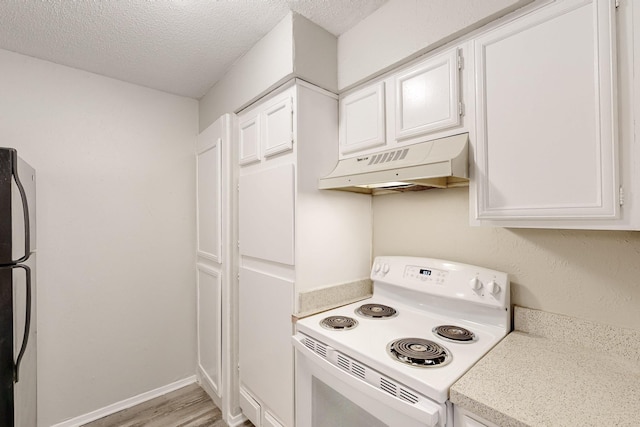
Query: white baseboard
237, 420
124, 404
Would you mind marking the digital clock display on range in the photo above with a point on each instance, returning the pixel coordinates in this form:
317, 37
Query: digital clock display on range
425, 272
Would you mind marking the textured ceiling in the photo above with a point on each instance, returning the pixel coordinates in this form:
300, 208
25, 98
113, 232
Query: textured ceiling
178, 46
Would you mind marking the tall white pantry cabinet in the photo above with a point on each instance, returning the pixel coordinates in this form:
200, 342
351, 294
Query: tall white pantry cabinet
216, 295
292, 236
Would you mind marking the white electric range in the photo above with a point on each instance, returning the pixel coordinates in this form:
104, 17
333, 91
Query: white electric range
390, 360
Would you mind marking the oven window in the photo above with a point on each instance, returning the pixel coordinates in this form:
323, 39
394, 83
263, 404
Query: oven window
331, 409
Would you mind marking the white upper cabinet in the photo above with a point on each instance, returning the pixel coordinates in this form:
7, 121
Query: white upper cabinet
277, 134
546, 143
249, 139
427, 96
266, 130
362, 119
421, 101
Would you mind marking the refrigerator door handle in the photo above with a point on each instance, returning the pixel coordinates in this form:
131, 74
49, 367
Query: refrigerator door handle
27, 320
25, 210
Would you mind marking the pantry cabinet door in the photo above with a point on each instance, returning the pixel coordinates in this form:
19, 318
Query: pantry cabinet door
209, 186
428, 96
209, 326
546, 141
266, 219
362, 119
266, 353
249, 139
277, 127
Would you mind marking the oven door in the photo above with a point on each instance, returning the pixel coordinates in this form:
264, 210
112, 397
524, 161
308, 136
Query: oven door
328, 396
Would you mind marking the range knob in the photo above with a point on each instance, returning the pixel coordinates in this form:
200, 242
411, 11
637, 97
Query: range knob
385, 268
376, 267
493, 287
475, 284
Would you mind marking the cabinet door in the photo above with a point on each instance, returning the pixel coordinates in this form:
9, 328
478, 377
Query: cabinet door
266, 218
464, 418
270, 421
428, 96
266, 353
277, 127
249, 139
362, 119
208, 164
209, 326
546, 143
250, 407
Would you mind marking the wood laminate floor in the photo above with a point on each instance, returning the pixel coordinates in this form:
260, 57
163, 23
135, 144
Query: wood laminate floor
187, 407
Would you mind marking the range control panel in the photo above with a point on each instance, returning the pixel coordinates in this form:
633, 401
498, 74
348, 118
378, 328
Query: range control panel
444, 278
425, 274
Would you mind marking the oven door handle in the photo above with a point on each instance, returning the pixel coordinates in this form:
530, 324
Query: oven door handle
424, 410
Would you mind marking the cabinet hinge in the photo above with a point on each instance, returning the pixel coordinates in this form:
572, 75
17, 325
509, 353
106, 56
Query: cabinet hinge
621, 196
617, 4
461, 108
238, 187
460, 61
238, 244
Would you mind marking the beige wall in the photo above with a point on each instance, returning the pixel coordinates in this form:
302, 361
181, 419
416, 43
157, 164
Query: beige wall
296, 47
116, 231
267, 64
315, 54
593, 275
403, 29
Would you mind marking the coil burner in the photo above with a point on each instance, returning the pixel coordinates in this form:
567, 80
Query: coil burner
454, 333
376, 311
338, 323
419, 352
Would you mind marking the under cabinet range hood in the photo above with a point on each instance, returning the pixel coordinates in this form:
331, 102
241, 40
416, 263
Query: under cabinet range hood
439, 163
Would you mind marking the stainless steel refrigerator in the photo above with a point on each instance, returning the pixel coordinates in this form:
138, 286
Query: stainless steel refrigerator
17, 292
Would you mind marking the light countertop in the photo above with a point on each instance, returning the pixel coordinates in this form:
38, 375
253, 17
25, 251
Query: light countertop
542, 375
329, 297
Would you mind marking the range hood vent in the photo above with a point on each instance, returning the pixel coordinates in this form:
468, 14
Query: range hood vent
440, 163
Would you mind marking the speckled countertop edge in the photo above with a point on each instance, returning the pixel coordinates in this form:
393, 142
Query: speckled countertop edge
327, 298
538, 376
584, 333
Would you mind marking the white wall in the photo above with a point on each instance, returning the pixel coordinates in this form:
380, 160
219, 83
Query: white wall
266, 65
116, 230
403, 29
315, 54
593, 275
296, 47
